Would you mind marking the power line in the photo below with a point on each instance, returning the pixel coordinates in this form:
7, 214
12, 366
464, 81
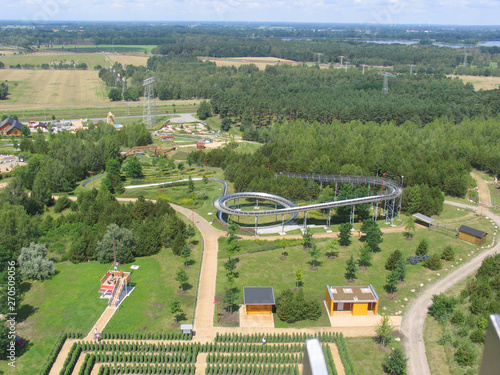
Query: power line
148, 113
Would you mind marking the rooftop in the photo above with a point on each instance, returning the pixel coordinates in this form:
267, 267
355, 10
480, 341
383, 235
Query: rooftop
258, 295
425, 219
352, 293
472, 231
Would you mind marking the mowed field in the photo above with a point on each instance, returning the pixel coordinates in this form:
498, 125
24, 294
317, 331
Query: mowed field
481, 83
91, 59
48, 88
261, 62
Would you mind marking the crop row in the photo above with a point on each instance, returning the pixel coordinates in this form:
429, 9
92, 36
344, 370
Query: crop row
144, 347
275, 338
56, 349
330, 364
144, 358
145, 336
146, 369
252, 370
344, 356
88, 364
71, 359
238, 358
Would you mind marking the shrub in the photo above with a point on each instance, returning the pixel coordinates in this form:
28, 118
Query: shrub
422, 247
448, 254
393, 258
442, 307
465, 355
434, 263
62, 203
458, 318
34, 264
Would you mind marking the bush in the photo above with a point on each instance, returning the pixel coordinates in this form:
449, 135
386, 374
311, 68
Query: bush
458, 318
422, 247
434, 263
465, 355
393, 258
442, 307
477, 336
292, 307
395, 363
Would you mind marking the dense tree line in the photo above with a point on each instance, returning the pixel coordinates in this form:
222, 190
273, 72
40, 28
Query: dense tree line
4, 91
433, 158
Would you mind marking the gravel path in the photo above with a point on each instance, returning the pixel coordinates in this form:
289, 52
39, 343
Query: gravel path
412, 326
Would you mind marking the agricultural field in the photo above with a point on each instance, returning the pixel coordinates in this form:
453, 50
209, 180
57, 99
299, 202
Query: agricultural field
118, 48
46, 88
482, 83
261, 62
91, 59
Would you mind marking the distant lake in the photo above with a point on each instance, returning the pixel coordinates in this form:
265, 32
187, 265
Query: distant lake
493, 43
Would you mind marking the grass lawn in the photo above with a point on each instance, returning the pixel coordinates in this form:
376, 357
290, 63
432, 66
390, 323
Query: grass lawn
68, 302
367, 355
266, 268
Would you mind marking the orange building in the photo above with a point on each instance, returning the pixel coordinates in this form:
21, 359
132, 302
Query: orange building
258, 299
359, 300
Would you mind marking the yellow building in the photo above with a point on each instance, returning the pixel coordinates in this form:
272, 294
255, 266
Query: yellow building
359, 300
477, 237
258, 300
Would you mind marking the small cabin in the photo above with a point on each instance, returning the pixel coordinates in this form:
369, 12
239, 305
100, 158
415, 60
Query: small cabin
475, 236
424, 220
10, 126
359, 300
200, 144
258, 299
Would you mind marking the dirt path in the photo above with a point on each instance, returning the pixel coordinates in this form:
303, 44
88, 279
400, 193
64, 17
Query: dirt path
201, 363
58, 364
412, 326
484, 190
336, 359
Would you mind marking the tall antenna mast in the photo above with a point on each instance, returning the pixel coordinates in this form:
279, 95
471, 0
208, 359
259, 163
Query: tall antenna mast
364, 65
148, 113
341, 60
465, 57
411, 68
386, 75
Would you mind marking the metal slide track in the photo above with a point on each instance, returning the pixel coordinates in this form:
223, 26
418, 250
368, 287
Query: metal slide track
391, 191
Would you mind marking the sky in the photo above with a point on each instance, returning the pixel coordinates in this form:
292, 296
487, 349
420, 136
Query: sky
443, 12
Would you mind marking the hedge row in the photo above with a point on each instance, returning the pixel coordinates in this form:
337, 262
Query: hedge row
56, 349
330, 364
145, 358
276, 338
71, 359
88, 364
252, 370
145, 336
344, 356
251, 348
139, 369
254, 358
131, 347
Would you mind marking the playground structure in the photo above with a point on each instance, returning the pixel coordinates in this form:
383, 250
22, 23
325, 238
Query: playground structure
388, 193
114, 286
167, 138
158, 150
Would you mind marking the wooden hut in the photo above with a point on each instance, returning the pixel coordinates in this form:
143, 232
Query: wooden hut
356, 299
472, 235
258, 299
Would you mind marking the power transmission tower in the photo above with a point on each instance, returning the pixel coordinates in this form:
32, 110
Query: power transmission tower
148, 113
411, 68
124, 85
364, 65
341, 60
318, 55
386, 75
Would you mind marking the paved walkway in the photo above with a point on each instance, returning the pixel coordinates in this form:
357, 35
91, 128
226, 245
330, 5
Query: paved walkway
101, 323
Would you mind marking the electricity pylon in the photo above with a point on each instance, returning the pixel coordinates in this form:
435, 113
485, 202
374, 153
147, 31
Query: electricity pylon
148, 113
386, 75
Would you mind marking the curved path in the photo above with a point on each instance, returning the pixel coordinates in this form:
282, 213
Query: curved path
412, 325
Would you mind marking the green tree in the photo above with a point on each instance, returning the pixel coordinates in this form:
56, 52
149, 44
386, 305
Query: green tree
332, 248
115, 95
185, 254
4, 340
365, 256
374, 238
423, 247
400, 269
25, 131
133, 168
392, 260
182, 278
230, 266
124, 245
204, 110
350, 269
465, 355
190, 185
409, 228
448, 253
442, 307
315, 253
113, 180
225, 124
4, 91
395, 363
179, 243
176, 310
384, 331
230, 298
345, 234
434, 263
307, 238
392, 282
299, 274
33, 262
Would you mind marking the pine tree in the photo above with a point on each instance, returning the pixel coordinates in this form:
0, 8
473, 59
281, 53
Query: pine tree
350, 269
400, 269
182, 278
392, 260
315, 254
395, 363
392, 282
422, 247
365, 256
185, 254
345, 234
